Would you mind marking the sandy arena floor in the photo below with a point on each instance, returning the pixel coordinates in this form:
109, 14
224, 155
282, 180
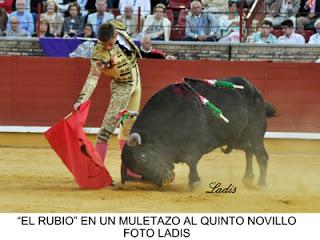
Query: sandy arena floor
35, 180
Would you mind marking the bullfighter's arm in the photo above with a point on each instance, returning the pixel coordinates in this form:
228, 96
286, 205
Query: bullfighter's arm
91, 82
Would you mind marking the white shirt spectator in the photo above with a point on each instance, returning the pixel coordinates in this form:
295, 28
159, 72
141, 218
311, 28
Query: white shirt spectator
314, 39
294, 38
143, 4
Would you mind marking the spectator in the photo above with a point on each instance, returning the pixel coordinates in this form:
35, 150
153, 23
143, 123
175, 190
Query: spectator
44, 29
315, 38
215, 6
101, 16
199, 25
131, 20
283, 9
82, 4
156, 25
264, 36
147, 51
3, 20
308, 13
15, 30
229, 24
143, 4
25, 18
31, 6
155, 2
290, 37
87, 31
54, 18
73, 25
6, 5
63, 6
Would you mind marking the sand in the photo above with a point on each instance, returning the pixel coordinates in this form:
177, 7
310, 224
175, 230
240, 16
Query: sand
35, 180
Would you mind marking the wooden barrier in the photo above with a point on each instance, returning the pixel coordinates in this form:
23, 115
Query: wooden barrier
38, 91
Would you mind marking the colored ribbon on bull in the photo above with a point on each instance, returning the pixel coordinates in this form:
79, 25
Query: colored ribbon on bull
222, 84
126, 114
215, 110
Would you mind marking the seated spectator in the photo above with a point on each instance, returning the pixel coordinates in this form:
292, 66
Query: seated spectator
215, 6
155, 2
82, 4
3, 20
73, 24
87, 31
264, 36
283, 9
147, 51
101, 16
54, 18
199, 25
84, 50
44, 29
229, 24
15, 30
156, 25
31, 6
25, 18
131, 21
308, 13
290, 37
143, 4
315, 38
6, 5
63, 6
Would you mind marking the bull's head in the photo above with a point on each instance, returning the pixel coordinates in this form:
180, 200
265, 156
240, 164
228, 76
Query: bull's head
147, 160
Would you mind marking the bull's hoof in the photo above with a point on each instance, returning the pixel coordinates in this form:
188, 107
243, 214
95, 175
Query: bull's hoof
194, 185
248, 183
261, 187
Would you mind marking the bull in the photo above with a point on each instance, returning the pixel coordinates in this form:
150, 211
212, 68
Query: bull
174, 127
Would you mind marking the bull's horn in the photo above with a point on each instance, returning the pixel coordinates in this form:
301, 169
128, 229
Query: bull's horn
134, 139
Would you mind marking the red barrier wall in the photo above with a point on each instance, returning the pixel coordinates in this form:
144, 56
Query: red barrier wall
38, 91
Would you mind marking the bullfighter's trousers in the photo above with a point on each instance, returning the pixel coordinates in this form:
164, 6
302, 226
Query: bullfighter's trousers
124, 95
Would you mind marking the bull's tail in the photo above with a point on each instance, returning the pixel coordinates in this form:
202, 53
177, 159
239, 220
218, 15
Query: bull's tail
270, 110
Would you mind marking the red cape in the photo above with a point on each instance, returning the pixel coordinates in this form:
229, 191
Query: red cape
75, 150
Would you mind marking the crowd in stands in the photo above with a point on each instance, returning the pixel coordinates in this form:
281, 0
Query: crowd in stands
164, 20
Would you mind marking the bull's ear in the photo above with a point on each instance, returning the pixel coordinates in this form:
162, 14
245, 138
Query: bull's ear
134, 140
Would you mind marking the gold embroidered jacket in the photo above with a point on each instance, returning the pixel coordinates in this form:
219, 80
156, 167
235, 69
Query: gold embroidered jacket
120, 72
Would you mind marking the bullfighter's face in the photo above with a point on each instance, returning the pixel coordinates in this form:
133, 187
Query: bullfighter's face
149, 162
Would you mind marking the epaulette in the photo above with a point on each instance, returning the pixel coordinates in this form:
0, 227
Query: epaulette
118, 24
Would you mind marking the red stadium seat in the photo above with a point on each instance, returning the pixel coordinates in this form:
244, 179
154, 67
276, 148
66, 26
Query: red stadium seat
306, 34
182, 17
277, 32
179, 4
114, 11
177, 33
169, 14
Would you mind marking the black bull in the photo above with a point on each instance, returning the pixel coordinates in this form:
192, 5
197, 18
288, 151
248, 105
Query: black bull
174, 126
